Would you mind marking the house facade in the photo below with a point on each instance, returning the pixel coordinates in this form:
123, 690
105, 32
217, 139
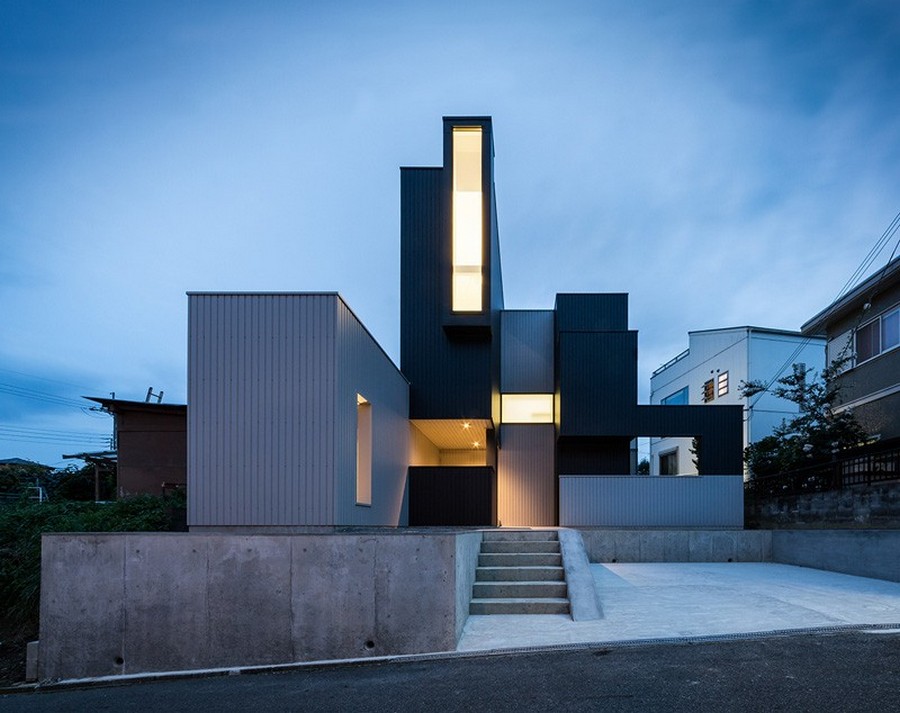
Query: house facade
862, 329
711, 370
151, 445
297, 418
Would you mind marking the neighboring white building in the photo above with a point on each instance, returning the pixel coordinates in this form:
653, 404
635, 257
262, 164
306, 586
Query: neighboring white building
711, 370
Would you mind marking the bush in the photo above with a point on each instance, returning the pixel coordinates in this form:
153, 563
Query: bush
23, 523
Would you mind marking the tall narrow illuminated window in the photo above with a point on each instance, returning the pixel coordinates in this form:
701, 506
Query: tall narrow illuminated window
363, 451
468, 231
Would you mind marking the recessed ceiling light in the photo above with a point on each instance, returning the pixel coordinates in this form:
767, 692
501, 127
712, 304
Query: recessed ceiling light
467, 425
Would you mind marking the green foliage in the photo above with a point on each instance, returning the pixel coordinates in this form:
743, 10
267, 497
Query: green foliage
78, 484
23, 523
695, 453
815, 433
643, 468
17, 477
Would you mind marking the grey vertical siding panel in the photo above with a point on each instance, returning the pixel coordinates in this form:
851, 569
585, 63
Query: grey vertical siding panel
526, 480
526, 351
261, 382
652, 501
363, 368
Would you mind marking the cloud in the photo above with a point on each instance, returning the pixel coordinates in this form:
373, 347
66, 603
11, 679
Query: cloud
724, 165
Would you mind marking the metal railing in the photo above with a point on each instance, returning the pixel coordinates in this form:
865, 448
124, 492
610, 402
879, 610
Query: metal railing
852, 469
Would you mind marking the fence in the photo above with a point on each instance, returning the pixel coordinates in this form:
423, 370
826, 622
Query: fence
856, 468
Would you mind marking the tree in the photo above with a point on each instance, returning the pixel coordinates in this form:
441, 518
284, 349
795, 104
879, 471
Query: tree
815, 433
643, 468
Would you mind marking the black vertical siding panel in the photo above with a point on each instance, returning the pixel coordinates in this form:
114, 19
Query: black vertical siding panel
596, 312
450, 377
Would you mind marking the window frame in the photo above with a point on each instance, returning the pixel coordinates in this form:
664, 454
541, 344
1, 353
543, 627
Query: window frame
879, 348
667, 401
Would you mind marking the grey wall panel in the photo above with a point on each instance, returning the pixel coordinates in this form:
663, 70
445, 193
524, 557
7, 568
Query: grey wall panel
261, 419
526, 351
648, 501
363, 368
526, 480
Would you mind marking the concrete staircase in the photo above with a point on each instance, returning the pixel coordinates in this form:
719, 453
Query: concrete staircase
520, 572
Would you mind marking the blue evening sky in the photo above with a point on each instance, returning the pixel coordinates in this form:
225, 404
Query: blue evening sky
725, 163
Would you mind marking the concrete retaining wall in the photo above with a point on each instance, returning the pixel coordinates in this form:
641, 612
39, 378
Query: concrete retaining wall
865, 553
129, 603
611, 545
856, 506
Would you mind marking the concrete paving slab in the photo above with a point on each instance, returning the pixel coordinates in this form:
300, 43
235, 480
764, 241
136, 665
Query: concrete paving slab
671, 600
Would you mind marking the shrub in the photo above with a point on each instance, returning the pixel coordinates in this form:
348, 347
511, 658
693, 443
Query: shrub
23, 523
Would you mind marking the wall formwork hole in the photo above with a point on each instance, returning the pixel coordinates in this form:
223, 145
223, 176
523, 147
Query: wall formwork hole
370, 645
119, 660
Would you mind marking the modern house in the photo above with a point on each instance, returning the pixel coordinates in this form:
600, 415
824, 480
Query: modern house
297, 419
863, 328
711, 370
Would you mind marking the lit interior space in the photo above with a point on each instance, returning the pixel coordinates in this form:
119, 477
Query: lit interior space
448, 441
468, 232
526, 408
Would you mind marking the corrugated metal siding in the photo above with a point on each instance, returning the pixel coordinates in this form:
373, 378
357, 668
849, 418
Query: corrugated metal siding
648, 501
526, 351
453, 495
596, 312
597, 381
363, 368
448, 378
526, 481
261, 419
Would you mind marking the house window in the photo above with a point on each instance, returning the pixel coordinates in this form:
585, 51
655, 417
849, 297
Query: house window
468, 212
890, 330
722, 384
709, 390
679, 398
668, 462
879, 335
363, 451
526, 408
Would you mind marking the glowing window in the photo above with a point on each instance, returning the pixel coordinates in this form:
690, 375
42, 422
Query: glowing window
722, 384
468, 211
527, 408
363, 451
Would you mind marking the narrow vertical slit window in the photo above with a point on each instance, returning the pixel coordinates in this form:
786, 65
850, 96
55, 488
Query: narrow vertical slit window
363, 451
468, 219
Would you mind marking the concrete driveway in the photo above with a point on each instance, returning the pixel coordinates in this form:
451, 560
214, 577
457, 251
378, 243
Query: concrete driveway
673, 600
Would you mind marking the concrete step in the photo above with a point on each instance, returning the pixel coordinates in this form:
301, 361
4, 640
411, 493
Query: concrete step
508, 590
520, 606
520, 574
519, 535
520, 546
507, 559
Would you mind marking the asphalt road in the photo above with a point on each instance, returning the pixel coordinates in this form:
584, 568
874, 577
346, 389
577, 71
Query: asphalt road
848, 671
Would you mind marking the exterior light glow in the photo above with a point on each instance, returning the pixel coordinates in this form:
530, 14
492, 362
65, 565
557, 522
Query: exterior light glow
468, 211
467, 426
476, 444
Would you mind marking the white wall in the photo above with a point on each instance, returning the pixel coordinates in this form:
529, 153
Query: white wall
747, 354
